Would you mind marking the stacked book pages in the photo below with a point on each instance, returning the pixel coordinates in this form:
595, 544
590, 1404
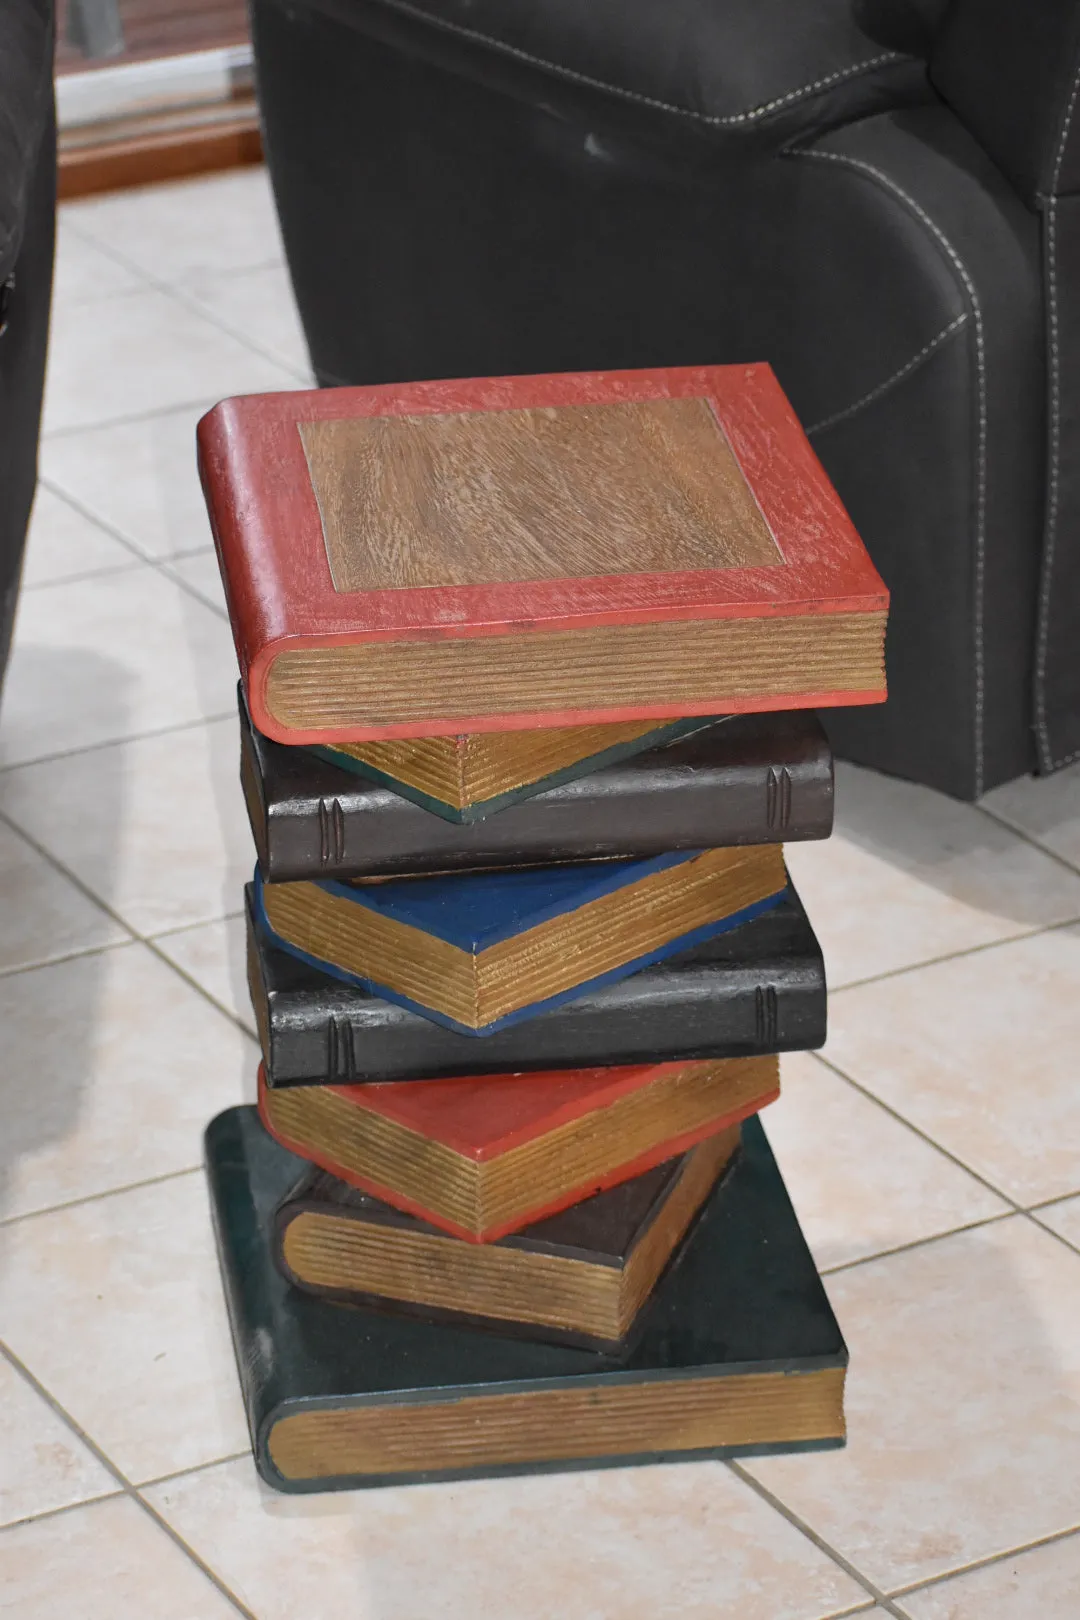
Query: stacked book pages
529, 672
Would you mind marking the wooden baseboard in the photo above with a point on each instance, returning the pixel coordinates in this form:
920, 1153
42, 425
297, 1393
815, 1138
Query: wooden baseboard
140, 152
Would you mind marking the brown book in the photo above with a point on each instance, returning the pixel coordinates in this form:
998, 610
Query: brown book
503, 554
486, 1155
579, 1277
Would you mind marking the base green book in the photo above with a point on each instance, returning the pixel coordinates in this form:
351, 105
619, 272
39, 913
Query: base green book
738, 1352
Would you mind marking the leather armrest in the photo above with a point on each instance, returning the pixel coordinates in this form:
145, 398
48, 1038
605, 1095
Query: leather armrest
1011, 73
26, 90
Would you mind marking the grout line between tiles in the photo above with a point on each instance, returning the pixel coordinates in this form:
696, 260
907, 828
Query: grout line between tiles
68, 956
919, 1243
988, 1562
117, 742
196, 1468
952, 956
204, 922
126, 1487
128, 418
137, 936
1028, 838
58, 1512
105, 1192
79, 578
800, 1524
176, 290
829, 1063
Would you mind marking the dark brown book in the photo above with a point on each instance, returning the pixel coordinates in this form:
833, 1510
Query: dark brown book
750, 779
582, 1276
737, 1351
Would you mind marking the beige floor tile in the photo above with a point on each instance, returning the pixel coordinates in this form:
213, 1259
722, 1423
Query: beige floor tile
860, 1180
105, 1562
219, 222
201, 574
43, 1465
258, 305
145, 351
910, 875
963, 1406
139, 477
85, 273
112, 1066
115, 1306
1063, 1218
981, 1054
42, 915
63, 544
1041, 1584
214, 954
688, 1541
1047, 808
110, 657
161, 833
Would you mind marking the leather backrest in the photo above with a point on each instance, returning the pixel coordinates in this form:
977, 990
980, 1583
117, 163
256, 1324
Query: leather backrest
1010, 70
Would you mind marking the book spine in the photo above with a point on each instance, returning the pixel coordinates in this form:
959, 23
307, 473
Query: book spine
776, 1006
374, 834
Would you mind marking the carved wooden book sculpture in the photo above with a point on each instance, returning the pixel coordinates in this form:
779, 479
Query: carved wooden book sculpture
757, 988
738, 1351
503, 554
486, 1155
582, 1276
751, 779
477, 950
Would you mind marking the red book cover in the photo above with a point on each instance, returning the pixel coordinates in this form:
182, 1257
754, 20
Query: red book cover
485, 1155
511, 553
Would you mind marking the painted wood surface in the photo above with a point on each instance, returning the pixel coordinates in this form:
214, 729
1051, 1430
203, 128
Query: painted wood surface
283, 601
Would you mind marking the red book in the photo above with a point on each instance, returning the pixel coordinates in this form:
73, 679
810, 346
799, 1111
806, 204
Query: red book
519, 552
486, 1155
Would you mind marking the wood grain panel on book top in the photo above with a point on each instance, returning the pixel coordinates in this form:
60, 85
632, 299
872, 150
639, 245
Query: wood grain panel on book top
748, 533
736, 1350
580, 1276
430, 1150
646, 486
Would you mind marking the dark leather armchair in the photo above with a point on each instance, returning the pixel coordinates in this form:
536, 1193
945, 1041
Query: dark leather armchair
27, 223
881, 198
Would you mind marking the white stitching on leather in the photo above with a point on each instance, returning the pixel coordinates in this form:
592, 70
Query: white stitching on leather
1042, 643
980, 363
890, 382
717, 119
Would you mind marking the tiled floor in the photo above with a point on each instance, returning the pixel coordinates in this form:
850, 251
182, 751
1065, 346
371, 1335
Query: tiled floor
933, 1150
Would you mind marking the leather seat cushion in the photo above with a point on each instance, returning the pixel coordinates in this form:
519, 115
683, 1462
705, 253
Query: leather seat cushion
738, 70
26, 55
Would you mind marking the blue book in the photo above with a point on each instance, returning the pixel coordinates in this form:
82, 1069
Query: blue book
477, 951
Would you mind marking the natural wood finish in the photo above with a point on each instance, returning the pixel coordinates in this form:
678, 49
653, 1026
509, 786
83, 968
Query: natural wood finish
679, 666
538, 1425
484, 1198
479, 765
146, 151
545, 961
502, 1281
649, 486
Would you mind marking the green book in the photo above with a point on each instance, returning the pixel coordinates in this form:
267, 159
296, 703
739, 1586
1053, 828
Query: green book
738, 1352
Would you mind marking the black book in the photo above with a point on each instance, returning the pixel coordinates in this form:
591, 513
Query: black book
758, 988
748, 779
739, 1352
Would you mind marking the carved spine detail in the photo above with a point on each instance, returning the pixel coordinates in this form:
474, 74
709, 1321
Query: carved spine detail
331, 832
340, 1050
778, 798
766, 1018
